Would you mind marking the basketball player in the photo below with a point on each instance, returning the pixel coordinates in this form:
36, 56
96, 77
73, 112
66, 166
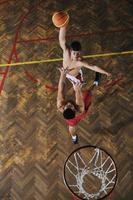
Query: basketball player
76, 109
72, 111
72, 59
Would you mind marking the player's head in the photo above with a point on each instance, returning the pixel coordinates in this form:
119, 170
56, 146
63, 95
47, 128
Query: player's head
69, 111
75, 48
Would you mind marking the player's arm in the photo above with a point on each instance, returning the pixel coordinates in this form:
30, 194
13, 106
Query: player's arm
60, 93
79, 97
62, 38
94, 68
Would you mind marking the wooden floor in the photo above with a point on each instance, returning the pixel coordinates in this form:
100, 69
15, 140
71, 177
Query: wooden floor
34, 139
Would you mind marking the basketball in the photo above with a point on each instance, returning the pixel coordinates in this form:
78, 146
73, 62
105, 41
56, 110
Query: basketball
60, 19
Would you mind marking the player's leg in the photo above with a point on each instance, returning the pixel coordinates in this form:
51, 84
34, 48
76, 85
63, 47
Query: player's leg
72, 130
97, 79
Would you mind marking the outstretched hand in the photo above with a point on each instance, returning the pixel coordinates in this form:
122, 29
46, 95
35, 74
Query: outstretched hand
77, 86
109, 75
63, 71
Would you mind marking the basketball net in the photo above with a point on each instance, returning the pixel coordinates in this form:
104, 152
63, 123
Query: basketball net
98, 170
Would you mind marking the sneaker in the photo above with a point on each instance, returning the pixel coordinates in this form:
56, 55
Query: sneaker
97, 79
75, 139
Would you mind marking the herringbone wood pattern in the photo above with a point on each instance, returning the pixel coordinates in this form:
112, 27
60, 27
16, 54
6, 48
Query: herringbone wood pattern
34, 140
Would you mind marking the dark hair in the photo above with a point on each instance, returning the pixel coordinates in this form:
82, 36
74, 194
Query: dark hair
75, 46
69, 113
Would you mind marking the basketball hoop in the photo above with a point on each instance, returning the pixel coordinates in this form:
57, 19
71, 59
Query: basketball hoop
90, 173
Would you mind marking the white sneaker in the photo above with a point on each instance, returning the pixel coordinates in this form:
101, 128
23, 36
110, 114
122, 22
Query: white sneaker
75, 139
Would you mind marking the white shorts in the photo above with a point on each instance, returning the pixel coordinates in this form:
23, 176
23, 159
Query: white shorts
77, 79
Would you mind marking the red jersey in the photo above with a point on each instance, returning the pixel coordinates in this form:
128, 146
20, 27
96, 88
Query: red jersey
87, 101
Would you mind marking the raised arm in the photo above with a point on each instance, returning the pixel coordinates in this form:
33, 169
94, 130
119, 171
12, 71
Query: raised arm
79, 97
60, 94
94, 68
62, 38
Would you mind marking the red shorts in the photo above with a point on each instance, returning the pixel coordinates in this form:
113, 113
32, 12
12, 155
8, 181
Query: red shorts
79, 76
